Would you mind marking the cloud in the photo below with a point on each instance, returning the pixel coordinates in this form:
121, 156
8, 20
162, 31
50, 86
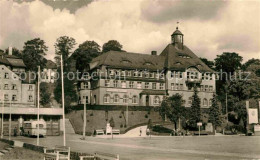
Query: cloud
163, 11
209, 28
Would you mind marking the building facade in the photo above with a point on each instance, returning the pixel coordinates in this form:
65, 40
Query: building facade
124, 78
18, 95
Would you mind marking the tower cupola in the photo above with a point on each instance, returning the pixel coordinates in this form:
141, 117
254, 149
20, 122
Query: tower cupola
177, 38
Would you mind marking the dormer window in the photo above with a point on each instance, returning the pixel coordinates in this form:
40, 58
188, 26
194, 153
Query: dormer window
126, 61
147, 63
178, 63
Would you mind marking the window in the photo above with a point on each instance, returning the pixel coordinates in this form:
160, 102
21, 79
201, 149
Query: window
14, 87
181, 86
95, 99
139, 85
146, 85
205, 102
6, 87
125, 99
156, 100
172, 74
161, 76
180, 74
116, 99
140, 74
190, 101
177, 86
111, 72
85, 85
206, 88
6, 76
134, 99
30, 88
107, 83
129, 73
115, 83
210, 76
14, 98
117, 72
131, 84
123, 84
85, 98
210, 88
6, 97
157, 76
135, 73
210, 102
30, 98
151, 75
161, 85
201, 88
147, 74
106, 98
123, 73
154, 86
172, 86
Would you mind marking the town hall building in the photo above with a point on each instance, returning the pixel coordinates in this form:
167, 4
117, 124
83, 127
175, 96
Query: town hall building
125, 78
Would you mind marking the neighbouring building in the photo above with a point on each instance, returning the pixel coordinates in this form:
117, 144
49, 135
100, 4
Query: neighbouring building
18, 95
49, 72
124, 78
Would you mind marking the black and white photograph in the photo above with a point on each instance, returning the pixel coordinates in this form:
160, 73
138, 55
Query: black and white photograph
129, 79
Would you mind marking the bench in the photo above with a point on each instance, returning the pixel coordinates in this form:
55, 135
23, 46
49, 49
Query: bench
99, 132
116, 131
58, 153
100, 156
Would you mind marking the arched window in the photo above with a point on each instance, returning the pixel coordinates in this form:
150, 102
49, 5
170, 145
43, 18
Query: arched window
134, 99
156, 100
125, 100
210, 102
116, 98
205, 102
106, 98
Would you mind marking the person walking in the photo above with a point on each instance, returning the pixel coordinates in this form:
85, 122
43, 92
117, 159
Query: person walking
15, 132
140, 131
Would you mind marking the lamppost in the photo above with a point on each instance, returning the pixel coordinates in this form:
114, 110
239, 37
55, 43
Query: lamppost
2, 122
10, 120
38, 107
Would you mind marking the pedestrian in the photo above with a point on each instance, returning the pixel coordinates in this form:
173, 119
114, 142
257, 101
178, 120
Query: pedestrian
140, 131
15, 131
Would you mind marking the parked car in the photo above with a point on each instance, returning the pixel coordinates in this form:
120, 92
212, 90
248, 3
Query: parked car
30, 128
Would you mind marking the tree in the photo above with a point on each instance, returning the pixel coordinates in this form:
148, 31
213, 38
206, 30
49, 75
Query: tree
45, 96
85, 53
16, 52
112, 125
228, 62
70, 93
250, 62
112, 45
173, 109
150, 127
64, 46
214, 113
210, 64
195, 113
33, 54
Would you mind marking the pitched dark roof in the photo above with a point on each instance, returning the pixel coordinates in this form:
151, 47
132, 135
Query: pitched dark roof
126, 60
51, 65
171, 58
3, 59
181, 59
16, 62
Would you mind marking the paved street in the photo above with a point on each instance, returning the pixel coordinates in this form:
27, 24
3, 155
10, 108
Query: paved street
163, 148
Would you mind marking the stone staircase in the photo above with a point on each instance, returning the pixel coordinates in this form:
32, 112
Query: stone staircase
69, 128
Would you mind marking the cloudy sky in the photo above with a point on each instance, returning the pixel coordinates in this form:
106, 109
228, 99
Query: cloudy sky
209, 27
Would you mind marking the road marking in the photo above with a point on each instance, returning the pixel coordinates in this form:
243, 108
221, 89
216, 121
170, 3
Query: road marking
228, 154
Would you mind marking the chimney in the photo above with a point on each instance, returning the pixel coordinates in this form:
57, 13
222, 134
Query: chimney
154, 53
10, 51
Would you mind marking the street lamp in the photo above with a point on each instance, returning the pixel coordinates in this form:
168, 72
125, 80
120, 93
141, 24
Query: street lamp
3, 105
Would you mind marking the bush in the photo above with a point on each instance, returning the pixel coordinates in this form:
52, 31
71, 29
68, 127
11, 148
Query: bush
161, 129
